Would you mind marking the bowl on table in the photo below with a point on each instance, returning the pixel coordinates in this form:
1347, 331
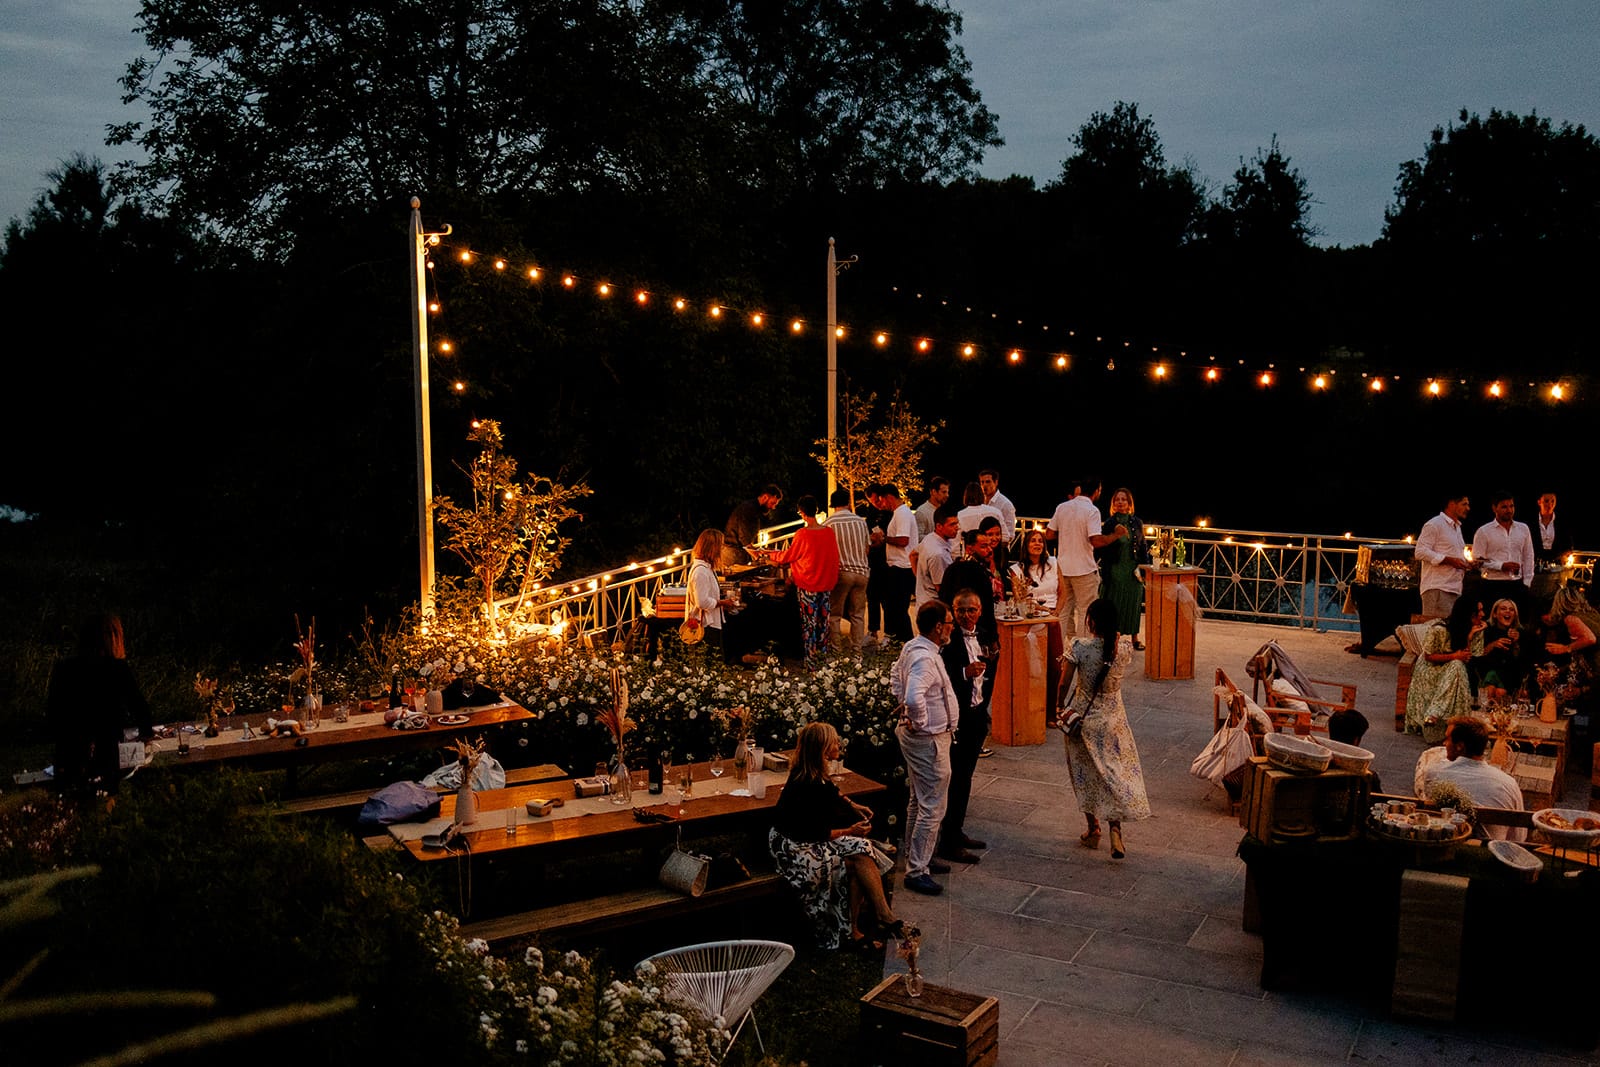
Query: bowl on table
1347, 757
1297, 754
1568, 827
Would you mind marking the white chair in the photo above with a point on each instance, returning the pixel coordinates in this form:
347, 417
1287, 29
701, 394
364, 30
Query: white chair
721, 980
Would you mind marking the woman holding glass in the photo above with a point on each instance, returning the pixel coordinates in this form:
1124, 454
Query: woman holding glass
1119, 566
1038, 570
819, 842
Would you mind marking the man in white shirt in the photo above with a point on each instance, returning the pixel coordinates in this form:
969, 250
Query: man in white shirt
1504, 550
899, 539
930, 712
938, 495
989, 482
1443, 553
849, 598
1465, 744
1075, 527
936, 553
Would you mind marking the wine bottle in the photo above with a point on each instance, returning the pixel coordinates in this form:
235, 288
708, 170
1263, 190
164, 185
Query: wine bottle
394, 690
656, 772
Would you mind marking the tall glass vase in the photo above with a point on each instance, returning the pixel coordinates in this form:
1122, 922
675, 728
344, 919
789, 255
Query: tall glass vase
621, 781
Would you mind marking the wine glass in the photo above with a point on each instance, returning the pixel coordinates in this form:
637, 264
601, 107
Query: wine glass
717, 769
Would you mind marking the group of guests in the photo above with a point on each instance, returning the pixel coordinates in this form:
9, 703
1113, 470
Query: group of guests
1497, 623
944, 680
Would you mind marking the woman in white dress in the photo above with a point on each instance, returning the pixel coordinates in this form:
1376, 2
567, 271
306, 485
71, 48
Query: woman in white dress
1038, 569
1101, 755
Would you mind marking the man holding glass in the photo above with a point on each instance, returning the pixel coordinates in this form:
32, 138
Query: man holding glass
969, 659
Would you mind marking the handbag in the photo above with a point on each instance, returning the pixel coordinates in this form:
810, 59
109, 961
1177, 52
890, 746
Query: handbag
1228, 750
692, 631
685, 872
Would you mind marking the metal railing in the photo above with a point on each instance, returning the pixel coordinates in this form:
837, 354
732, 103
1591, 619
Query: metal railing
1279, 579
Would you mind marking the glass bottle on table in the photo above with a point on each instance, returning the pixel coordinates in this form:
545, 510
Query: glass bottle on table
716, 769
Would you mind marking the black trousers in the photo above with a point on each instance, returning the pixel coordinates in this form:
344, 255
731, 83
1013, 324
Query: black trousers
971, 733
900, 585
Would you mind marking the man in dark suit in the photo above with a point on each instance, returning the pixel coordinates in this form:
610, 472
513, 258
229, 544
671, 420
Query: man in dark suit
968, 659
1553, 541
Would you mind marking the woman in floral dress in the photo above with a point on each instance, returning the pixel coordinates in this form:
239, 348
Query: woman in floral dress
1440, 689
1101, 755
819, 843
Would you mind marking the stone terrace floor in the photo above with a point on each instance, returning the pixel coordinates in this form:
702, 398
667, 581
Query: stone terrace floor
1143, 960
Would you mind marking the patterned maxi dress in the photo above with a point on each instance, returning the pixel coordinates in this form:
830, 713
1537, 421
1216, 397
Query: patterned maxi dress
1102, 758
1438, 691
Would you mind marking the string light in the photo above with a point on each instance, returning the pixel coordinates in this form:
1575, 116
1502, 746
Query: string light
460, 387
1159, 369
446, 347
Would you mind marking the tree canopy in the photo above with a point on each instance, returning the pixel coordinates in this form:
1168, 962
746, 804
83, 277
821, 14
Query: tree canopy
1267, 205
1507, 178
261, 113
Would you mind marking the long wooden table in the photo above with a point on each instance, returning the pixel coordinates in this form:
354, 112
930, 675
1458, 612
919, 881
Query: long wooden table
594, 824
366, 734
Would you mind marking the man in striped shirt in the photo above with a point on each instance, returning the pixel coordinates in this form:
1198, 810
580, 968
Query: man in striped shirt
849, 599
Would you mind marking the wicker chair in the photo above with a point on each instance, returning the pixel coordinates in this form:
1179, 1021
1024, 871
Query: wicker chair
721, 980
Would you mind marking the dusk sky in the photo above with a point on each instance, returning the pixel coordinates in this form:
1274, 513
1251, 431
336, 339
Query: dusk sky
1351, 89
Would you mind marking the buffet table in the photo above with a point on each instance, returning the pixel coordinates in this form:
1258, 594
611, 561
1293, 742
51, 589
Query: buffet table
1445, 942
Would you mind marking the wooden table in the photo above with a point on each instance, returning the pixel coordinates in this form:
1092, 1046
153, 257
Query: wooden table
603, 826
1169, 613
366, 734
1540, 758
1026, 679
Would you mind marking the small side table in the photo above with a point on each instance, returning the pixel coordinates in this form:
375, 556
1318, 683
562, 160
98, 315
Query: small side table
1026, 678
1168, 627
941, 1028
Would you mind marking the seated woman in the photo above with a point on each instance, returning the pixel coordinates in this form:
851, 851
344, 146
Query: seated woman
1440, 689
1503, 663
819, 841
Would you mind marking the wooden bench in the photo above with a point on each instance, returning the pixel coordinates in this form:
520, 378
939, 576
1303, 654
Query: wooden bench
601, 914
350, 802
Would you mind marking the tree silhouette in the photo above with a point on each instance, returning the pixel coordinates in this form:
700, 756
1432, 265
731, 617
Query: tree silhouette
1507, 178
1266, 205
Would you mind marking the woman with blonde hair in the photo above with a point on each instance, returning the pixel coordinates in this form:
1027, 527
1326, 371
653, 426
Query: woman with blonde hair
705, 601
819, 842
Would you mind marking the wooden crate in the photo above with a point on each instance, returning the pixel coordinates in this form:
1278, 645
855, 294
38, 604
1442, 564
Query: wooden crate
941, 1028
1335, 802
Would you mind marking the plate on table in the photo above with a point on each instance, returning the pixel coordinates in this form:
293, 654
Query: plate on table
450, 720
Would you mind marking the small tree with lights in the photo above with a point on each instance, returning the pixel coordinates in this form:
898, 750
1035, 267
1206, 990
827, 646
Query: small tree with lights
510, 536
890, 453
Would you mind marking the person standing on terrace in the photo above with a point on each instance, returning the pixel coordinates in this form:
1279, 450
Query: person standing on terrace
813, 559
1443, 553
989, 482
744, 525
849, 599
929, 713
1504, 550
938, 495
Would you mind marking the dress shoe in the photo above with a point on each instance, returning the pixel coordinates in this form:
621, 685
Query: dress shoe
938, 866
959, 855
972, 842
922, 883
982, 752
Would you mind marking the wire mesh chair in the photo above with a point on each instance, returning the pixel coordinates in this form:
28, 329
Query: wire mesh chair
721, 980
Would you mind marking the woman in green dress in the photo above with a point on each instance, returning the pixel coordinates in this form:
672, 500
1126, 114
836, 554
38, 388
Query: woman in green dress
1119, 562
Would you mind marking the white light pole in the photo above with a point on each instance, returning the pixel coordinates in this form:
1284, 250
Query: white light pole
420, 240
835, 268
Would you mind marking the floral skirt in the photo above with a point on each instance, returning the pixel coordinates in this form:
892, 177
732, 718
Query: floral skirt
819, 873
